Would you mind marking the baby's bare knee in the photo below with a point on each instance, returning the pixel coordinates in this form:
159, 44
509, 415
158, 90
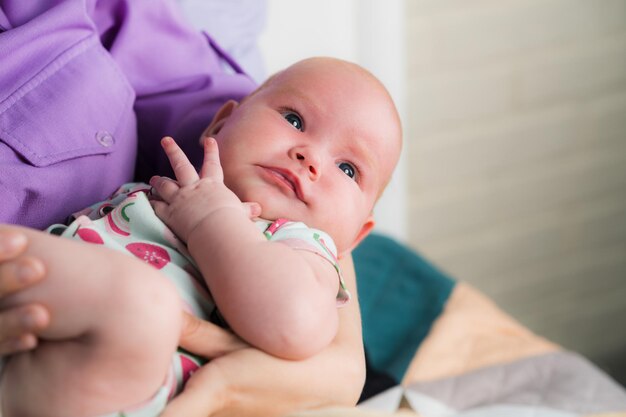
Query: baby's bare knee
149, 303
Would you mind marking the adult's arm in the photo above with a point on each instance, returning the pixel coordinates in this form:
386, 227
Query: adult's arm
252, 383
85, 85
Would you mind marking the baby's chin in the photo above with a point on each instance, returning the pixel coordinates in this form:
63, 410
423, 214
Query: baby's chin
271, 214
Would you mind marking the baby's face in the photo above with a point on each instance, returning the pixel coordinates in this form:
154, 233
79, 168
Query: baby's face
317, 144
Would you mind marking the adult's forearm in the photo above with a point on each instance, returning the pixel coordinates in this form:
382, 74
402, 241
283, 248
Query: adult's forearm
276, 387
252, 383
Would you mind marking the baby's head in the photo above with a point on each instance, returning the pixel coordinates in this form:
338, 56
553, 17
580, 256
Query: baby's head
315, 143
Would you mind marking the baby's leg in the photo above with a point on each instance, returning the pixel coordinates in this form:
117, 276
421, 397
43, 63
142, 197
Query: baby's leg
115, 323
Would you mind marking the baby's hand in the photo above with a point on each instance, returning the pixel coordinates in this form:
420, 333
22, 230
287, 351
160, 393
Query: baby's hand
186, 202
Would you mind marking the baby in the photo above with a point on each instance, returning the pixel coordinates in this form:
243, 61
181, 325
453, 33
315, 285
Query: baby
251, 242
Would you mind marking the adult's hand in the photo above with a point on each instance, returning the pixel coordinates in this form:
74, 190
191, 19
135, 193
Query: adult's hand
206, 339
252, 383
18, 324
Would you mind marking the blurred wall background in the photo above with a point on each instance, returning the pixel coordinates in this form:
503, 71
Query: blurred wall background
517, 159
514, 169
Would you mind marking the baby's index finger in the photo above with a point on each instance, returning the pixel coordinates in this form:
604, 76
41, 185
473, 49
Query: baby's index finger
183, 170
211, 166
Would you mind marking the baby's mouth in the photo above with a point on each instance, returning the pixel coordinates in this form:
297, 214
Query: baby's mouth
287, 179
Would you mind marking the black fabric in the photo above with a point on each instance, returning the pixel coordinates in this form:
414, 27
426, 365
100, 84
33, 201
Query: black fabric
375, 381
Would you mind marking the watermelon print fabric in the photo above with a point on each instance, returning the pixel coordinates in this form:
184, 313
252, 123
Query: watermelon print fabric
127, 222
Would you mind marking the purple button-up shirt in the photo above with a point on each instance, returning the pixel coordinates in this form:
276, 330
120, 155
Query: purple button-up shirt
89, 87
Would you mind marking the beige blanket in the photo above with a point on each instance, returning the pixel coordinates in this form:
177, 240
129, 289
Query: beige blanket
471, 335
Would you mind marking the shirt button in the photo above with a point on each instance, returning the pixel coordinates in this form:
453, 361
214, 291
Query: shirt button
104, 138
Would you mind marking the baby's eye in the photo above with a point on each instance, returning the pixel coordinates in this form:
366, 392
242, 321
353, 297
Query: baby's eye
347, 169
294, 120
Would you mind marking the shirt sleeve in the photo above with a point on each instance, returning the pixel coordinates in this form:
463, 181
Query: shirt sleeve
236, 26
181, 77
298, 235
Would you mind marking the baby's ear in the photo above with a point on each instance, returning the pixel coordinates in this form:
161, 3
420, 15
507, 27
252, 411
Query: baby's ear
366, 228
220, 118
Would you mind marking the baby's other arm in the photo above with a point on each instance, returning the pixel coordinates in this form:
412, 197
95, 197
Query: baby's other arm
276, 298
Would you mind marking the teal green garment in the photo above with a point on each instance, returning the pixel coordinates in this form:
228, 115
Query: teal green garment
401, 294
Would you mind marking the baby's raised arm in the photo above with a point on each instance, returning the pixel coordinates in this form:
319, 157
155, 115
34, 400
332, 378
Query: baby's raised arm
276, 298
